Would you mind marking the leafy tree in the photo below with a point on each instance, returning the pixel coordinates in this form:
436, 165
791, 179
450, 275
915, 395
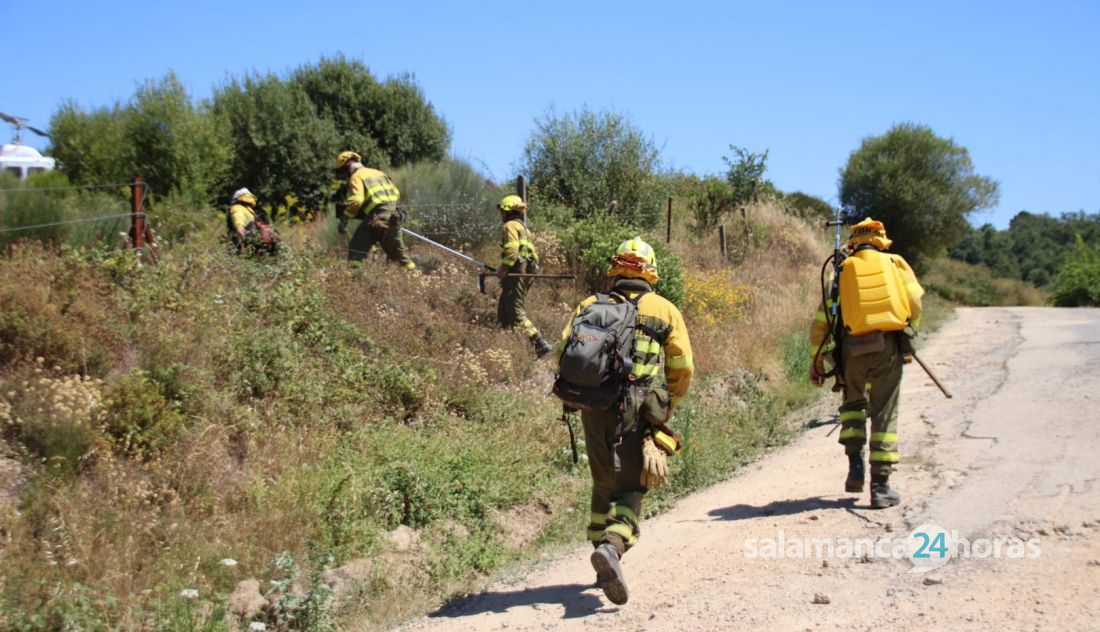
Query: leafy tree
586, 160
746, 176
174, 145
920, 185
159, 134
389, 123
280, 145
1078, 281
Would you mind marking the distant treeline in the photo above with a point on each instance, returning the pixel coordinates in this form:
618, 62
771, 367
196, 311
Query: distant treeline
1033, 248
276, 135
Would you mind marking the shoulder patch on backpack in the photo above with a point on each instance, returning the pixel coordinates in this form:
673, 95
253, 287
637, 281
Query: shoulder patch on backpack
597, 359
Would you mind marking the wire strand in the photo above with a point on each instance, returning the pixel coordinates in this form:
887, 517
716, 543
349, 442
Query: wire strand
14, 229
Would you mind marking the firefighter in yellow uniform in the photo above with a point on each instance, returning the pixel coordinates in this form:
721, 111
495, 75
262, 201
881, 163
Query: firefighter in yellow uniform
247, 227
879, 297
627, 446
517, 256
372, 199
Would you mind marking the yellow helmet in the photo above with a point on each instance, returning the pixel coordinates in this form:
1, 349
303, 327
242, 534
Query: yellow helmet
244, 196
512, 204
634, 258
345, 156
870, 231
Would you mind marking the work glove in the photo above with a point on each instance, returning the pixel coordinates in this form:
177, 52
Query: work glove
654, 465
342, 226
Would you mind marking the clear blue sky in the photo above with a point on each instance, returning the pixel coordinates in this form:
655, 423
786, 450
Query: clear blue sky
1016, 83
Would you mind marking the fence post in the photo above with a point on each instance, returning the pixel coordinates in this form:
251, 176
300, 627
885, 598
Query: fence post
722, 239
521, 188
137, 214
668, 222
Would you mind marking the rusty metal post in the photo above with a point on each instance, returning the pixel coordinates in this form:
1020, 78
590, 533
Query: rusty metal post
137, 214
668, 222
722, 239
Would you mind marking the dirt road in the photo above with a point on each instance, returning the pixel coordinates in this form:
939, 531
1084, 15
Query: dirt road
1015, 454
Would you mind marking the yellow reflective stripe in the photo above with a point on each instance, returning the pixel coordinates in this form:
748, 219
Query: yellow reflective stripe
679, 362
820, 316
852, 433
647, 346
599, 519
884, 437
853, 415
623, 530
884, 457
622, 511
646, 370
507, 262
595, 535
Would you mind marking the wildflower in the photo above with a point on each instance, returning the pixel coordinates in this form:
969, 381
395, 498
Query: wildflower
257, 625
189, 593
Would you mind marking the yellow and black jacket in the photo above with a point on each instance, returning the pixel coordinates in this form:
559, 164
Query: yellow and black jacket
370, 191
515, 244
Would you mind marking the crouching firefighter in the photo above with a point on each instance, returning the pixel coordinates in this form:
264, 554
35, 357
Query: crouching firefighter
625, 362
862, 327
247, 227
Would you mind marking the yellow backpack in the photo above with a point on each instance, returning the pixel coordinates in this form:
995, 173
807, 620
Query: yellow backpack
872, 293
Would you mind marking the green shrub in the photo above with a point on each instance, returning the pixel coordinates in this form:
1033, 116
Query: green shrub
591, 243
1077, 283
447, 201
140, 419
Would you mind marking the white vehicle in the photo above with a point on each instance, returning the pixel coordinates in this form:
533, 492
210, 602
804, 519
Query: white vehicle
23, 160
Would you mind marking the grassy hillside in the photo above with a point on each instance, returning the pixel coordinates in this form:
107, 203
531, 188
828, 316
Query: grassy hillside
181, 427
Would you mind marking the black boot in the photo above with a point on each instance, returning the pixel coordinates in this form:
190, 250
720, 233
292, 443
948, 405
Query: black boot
609, 575
542, 347
854, 483
881, 494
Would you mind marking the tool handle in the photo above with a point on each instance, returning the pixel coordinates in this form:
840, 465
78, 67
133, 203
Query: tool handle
932, 375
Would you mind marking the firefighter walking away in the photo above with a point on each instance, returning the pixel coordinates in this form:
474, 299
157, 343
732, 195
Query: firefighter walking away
877, 301
625, 362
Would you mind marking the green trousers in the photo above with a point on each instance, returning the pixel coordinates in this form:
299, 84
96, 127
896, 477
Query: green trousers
367, 234
616, 466
513, 292
872, 380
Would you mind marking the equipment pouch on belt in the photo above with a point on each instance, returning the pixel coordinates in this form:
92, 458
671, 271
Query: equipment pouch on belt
654, 406
873, 342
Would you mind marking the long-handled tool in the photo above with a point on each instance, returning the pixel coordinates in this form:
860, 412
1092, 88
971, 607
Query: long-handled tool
486, 268
935, 380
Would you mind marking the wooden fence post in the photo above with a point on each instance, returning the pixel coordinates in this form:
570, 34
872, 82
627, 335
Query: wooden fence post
137, 214
668, 222
722, 239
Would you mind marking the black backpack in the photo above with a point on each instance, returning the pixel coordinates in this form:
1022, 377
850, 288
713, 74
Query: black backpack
598, 357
